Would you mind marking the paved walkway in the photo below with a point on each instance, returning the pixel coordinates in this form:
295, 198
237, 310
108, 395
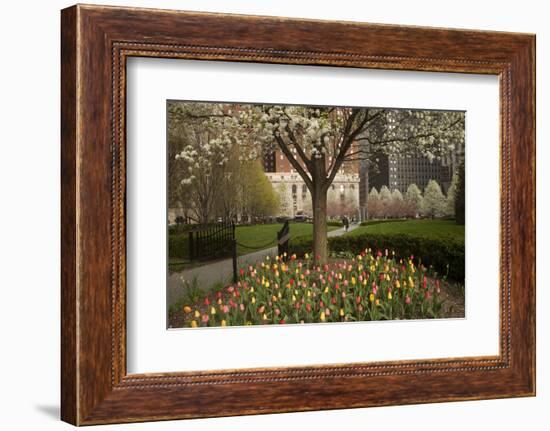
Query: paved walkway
222, 270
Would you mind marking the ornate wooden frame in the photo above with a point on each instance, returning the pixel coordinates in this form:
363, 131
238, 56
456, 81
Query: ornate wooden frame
95, 42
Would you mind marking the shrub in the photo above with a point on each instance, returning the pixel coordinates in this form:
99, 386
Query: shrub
337, 223
178, 246
445, 256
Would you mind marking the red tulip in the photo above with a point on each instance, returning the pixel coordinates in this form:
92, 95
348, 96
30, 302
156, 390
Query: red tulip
308, 307
282, 322
206, 301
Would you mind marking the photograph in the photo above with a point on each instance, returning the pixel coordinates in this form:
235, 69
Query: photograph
291, 214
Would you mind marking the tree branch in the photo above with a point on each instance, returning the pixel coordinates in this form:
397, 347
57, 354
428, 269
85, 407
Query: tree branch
295, 164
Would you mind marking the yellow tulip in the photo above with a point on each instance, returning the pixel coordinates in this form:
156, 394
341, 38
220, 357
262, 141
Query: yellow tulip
377, 302
223, 323
264, 316
197, 313
397, 284
252, 290
306, 256
322, 316
389, 295
371, 297
293, 298
274, 298
187, 309
326, 289
353, 281
411, 283
193, 324
267, 284
341, 312
212, 310
279, 295
253, 300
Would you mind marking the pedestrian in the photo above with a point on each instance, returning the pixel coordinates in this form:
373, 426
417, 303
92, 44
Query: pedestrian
346, 223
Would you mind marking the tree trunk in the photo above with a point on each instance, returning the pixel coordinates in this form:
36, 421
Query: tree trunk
320, 243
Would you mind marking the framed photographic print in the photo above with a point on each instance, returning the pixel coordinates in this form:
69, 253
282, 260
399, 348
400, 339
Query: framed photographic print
327, 214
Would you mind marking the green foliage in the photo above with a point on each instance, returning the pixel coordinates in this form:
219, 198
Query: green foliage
460, 196
178, 245
444, 255
335, 223
425, 227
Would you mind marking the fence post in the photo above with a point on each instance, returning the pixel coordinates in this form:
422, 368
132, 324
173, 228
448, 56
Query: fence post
234, 244
191, 245
283, 237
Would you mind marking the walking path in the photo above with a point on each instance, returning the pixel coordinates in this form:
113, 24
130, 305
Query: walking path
222, 270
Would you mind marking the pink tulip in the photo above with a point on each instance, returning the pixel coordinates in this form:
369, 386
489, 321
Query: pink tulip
277, 312
241, 307
225, 309
205, 318
407, 299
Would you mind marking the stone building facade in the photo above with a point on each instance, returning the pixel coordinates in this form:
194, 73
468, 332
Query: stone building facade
295, 199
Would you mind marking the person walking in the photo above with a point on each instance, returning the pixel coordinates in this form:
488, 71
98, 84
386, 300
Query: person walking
346, 222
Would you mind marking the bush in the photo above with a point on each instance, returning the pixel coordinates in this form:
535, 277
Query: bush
337, 223
178, 246
437, 253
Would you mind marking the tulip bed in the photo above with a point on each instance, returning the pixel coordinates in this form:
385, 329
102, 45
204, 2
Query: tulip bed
369, 286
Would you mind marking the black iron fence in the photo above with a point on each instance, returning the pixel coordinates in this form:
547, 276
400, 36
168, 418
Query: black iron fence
283, 237
211, 241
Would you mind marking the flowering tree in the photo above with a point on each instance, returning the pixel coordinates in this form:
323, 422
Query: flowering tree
317, 141
433, 204
373, 203
413, 200
450, 200
397, 204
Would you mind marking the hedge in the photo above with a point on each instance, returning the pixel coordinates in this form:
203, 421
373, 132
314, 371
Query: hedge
437, 253
178, 246
337, 223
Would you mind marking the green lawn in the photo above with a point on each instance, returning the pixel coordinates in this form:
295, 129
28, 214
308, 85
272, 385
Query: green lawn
265, 235
425, 228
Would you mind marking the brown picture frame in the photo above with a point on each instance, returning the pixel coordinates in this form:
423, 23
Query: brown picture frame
95, 43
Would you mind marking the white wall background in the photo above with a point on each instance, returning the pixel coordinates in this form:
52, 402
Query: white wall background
29, 214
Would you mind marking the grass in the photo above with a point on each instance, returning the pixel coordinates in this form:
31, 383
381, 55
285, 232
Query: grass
265, 235
434, 229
